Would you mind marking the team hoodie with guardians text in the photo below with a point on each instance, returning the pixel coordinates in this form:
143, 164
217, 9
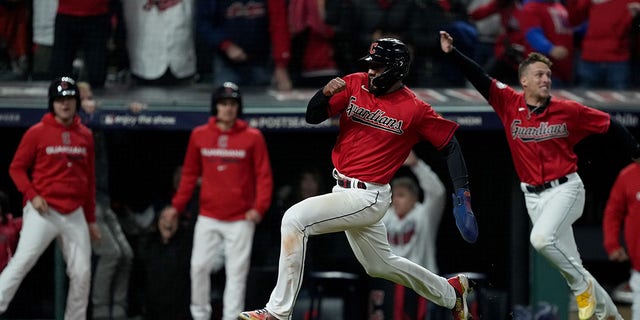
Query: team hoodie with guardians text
60, 162
235, 170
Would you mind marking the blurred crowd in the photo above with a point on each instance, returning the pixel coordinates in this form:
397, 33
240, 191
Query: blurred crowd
302, 43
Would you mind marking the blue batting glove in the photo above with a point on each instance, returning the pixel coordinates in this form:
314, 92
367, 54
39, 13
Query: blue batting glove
465, 220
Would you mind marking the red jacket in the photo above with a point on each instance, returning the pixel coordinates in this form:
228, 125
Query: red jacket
624, 206
608, 37
510, 32
57, 163
83, 8
235, 170
553, 18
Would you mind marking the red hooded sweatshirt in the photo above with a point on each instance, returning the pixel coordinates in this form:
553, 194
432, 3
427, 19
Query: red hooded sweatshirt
57, 163
623, 207
235, 170
608, 37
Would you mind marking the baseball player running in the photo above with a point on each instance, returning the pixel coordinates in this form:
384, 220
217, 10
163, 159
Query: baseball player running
541, 132
54, 169
380, 121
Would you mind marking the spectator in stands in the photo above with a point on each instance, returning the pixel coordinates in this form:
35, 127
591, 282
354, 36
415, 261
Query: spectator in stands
112, 252
9, 231
510, 45
488, 29
232, 161
250, 40
44, 15
81, 25
13, 40
313, 56
545, 24
361, 22
160, 40
605, 55
412, 226
168, 259
430, 68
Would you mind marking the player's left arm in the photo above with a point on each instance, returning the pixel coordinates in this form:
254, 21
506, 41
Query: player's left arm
456, 164
462, 211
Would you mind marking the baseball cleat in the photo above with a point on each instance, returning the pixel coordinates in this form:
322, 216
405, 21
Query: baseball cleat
260, 314
460, 284
586, 302
465, 219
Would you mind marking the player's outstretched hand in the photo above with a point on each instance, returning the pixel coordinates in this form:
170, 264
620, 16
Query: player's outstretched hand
446, 41
465, 219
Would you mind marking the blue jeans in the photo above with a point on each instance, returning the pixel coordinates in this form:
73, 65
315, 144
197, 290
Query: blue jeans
243, 74
605, 75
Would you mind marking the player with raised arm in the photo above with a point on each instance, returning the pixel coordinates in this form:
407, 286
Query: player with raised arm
541, 132
380, 121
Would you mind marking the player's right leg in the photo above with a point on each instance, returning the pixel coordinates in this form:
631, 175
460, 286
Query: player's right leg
553, 212
327, 213
36, 235
372, 250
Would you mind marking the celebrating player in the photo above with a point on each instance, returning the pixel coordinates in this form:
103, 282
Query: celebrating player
541, 132
54, 169
380, 121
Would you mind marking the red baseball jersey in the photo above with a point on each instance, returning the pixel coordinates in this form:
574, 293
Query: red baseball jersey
542, 144
235, 170
624, 205
57, 163
377, 133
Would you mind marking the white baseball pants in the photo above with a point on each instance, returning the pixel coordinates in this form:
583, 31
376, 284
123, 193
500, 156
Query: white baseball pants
210, 238
553, 212
634, 282
357, 212
38, 230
